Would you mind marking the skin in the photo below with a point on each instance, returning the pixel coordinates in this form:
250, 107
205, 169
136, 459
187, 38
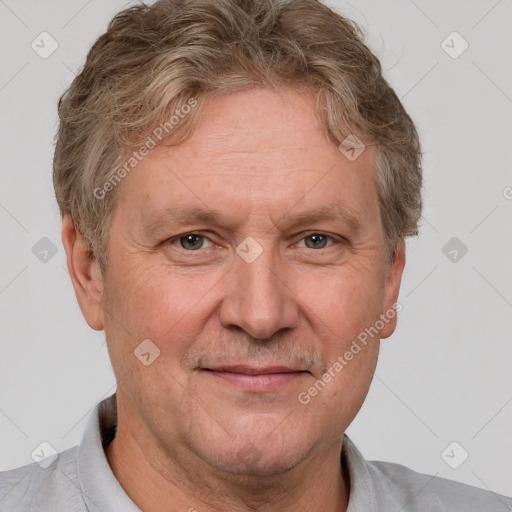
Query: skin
186, 438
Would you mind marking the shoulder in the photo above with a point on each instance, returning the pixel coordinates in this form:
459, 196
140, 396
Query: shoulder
32, 488
416, 492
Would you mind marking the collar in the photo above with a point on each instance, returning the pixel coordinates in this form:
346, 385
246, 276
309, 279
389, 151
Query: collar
102, 491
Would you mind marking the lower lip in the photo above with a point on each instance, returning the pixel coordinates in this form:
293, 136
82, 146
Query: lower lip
257, 383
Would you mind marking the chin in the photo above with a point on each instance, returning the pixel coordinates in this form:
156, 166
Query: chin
250, 460
252, 443
270, 456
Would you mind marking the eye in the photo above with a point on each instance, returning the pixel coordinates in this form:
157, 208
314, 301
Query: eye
196, 241
317, 240
191, 241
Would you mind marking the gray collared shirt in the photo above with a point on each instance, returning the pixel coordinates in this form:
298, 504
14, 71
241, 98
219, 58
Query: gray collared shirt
80, 480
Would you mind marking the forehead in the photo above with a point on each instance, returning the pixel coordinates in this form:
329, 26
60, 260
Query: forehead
254, 150
259, 122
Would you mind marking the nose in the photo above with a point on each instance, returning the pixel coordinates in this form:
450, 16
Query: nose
260, 299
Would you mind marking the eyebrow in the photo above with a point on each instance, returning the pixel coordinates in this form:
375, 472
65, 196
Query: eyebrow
334, 212
182, 214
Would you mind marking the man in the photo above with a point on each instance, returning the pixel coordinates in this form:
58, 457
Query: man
236, 181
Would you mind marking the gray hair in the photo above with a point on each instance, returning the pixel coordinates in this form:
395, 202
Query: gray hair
153, 60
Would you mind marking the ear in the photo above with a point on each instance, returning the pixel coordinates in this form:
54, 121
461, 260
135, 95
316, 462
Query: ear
85, 274
391, 290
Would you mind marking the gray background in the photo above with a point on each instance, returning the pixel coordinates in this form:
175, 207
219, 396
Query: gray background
444, 376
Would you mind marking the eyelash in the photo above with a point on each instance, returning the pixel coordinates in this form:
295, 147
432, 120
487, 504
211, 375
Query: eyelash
333, 239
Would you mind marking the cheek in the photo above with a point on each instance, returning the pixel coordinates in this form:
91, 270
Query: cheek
154, 300
342, 317
343, 305
150, 302
169, 310
341, 323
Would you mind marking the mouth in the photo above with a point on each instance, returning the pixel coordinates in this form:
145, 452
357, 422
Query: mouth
256, 379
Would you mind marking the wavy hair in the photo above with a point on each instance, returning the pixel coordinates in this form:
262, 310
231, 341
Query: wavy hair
154, 58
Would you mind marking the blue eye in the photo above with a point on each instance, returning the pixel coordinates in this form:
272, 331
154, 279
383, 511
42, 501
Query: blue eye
195, 241
191, 241
318, 240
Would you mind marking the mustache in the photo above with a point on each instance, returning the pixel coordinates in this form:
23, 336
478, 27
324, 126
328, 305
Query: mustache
280, 350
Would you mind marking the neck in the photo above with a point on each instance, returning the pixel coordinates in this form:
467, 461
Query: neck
155, 481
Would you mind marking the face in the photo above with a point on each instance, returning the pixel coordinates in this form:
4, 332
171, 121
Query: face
252, 257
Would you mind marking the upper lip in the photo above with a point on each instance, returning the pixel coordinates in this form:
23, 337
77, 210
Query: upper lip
253, 370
